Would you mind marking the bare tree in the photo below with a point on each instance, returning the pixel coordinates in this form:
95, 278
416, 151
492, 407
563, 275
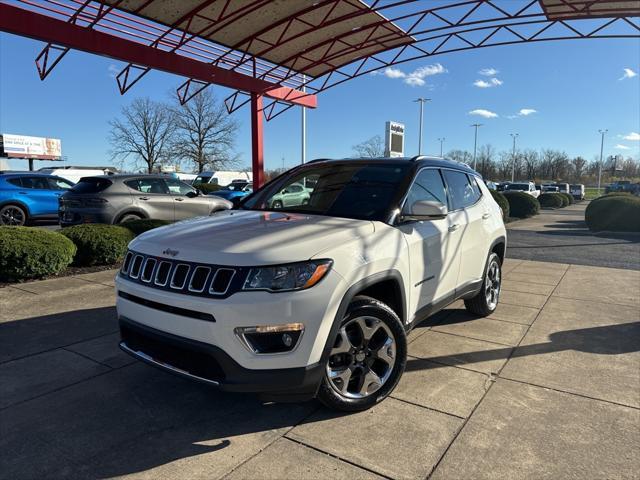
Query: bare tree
144, 132
205, 134
485, 158
374, 147
461, 156
578, 165
530, 163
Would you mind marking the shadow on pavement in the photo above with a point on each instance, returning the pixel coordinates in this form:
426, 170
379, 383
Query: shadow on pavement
606, 340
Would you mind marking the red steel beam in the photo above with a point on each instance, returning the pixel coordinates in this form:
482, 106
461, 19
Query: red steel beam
257, 145
48, 29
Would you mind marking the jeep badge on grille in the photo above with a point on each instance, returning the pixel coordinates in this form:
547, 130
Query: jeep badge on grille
168, 251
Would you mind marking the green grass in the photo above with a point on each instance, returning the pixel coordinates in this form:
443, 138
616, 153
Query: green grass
592, 192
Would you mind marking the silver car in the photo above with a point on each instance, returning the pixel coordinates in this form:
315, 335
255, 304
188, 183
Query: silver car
118, 198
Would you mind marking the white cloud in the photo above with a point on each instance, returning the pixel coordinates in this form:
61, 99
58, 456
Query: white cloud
113, 70
493, 82
483, 113
633, 137
488, 72
417, 77
526, 111
628, 73
622, 147
394, 73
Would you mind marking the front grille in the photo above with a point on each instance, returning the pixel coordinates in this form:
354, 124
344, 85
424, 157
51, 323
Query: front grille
184, 277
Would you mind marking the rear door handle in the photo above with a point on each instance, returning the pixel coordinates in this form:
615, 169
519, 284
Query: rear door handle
143, 198
485, 216
454, 227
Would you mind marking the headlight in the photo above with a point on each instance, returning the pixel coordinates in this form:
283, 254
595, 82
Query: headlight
293, 276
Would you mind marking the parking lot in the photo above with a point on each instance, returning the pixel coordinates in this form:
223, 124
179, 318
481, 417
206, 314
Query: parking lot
547, 387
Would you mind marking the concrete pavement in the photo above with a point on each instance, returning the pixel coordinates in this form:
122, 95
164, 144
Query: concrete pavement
562, 236
546, 387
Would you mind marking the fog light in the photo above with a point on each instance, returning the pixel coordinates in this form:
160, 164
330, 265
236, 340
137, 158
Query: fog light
265, 339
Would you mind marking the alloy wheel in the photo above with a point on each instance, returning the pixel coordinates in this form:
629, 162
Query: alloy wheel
12, 216
362, 358
492, 285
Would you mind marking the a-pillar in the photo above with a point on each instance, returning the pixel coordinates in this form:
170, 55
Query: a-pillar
257, 147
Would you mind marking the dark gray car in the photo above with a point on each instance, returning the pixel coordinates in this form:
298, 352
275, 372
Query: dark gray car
118, 198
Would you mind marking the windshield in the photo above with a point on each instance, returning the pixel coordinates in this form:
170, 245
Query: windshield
91, 185
358, 191
202, 179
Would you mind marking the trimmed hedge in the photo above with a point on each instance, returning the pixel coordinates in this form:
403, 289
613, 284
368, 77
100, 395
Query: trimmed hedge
33, 253
618, 213
207, 187
502, 202
568, 199
522, 205
140, 226
98, 244
553, 200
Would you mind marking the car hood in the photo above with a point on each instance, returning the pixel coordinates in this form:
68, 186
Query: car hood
246, 238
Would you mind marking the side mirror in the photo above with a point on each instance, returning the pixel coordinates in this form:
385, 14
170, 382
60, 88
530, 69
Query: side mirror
192, 194
426, 210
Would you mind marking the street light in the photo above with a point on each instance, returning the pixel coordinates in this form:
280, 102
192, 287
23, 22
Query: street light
513, 155
475, 143
422, 102
602, 132
441, 140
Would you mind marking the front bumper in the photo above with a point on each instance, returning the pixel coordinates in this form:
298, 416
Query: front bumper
211, 365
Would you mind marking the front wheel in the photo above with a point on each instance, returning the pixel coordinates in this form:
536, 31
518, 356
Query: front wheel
486, 301
367, 359
13, 215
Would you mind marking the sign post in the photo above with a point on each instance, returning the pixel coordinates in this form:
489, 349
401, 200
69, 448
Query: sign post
394, 139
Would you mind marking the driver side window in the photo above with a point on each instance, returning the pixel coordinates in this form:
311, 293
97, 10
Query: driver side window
428, 185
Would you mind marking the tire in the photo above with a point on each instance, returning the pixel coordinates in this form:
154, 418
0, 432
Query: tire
371, 346
13, 215
486, 301
277, 205
129, 216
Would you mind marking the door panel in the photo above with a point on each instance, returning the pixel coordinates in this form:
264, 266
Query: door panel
433, 248
184, 206
39, 196
152, 196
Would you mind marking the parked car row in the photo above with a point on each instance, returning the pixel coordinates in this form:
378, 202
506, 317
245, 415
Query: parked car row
623, 186
26, 197
576, 190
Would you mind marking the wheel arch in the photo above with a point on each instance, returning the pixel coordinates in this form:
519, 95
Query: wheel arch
499, 247
128, 211
19, 203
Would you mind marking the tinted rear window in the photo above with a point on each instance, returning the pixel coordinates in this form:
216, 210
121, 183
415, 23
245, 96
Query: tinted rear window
91, 185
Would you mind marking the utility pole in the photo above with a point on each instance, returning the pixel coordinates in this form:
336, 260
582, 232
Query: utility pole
422, 102
602, 132
475, 143
441, 140
513, 155
304, 124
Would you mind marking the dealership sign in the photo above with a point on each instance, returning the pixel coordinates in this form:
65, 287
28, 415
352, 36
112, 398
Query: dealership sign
394, 139
21, 146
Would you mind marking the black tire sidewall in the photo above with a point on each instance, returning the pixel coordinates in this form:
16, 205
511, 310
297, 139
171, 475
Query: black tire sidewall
364, 306
22, 209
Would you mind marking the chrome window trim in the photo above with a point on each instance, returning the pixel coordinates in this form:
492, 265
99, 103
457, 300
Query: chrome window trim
204, 284
213, 280
155, 279
133, 261
144, 267
173, 275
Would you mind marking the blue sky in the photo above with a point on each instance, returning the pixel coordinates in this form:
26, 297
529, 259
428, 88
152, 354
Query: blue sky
574, 87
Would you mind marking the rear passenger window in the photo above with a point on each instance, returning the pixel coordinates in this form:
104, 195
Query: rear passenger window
37, 183
15, 181
462, 192
427, 186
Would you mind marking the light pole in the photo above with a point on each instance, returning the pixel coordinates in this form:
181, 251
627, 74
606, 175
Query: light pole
602, 132
304, 124
441, 140
475, 143
422, 102
513, 155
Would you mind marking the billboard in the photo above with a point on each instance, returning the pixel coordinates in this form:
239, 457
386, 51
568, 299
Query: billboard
394, 139
22, 146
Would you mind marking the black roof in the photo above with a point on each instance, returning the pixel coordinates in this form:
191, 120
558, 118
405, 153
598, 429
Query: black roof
421, 160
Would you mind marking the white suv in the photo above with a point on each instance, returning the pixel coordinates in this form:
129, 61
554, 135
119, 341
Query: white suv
314, 299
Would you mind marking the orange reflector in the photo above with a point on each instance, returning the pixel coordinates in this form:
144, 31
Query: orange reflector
320, 272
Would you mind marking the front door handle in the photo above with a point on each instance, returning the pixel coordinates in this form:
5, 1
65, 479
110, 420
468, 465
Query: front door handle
454, 227
179, 199
143, 198
485, 216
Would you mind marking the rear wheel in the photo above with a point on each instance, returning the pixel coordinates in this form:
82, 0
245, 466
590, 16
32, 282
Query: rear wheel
128, 217
486, 301
13, 215
367, 358
277, 205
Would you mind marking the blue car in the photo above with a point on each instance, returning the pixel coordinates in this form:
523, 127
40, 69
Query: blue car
234, 190
30, 196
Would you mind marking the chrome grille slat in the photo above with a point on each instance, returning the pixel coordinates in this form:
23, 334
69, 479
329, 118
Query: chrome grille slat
179, 276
